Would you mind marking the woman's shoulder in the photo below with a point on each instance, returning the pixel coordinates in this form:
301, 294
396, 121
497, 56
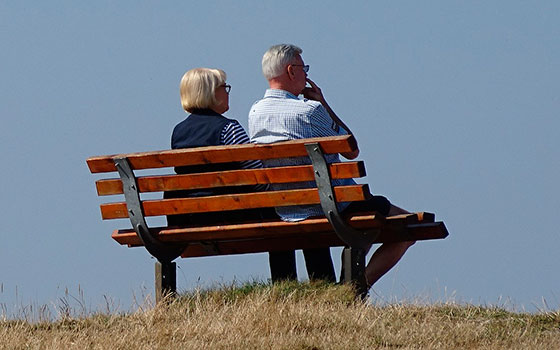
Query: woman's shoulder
231, 121
233, 133
233, 125
225, 121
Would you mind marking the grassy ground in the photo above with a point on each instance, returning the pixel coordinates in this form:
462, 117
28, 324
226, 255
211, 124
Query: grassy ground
289, 316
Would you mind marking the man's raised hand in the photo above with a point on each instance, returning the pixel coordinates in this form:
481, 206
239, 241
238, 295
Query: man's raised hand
313, 92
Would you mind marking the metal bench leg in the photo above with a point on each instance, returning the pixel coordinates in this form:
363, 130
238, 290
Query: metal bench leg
354, 268
166, 281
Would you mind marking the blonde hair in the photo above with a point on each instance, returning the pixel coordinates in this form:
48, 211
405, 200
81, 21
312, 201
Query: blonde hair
198, 88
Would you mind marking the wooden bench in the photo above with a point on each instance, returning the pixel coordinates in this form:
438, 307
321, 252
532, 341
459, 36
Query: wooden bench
355, 232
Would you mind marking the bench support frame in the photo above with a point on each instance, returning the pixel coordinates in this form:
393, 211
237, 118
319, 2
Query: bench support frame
358, 242
350, 236
354, 269
165, 281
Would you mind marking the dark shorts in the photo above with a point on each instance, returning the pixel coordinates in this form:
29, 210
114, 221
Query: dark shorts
377, 204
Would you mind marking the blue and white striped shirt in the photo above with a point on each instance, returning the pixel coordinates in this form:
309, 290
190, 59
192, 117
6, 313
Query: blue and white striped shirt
234, 134
282, 116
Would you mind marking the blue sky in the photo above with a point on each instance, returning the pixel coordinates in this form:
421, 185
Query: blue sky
454, 104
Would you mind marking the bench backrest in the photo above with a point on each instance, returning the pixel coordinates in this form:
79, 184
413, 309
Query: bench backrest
227, 154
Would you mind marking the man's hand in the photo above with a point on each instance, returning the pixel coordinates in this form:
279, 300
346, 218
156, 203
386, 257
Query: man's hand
313, 92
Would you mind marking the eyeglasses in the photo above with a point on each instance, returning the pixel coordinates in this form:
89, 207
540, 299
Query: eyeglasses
305, 67
227, 87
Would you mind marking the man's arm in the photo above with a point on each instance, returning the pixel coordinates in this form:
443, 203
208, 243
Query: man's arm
315, 93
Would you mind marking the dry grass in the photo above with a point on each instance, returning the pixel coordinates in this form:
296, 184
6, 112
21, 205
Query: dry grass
290, 316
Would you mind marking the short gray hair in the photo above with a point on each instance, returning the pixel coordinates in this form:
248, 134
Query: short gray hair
277, 58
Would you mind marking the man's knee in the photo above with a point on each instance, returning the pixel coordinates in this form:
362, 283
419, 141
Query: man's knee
403, 246
409, 244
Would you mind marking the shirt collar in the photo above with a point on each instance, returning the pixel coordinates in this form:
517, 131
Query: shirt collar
276, 93
204, 111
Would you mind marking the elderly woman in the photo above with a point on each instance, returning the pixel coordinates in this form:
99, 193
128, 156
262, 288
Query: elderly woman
205, 95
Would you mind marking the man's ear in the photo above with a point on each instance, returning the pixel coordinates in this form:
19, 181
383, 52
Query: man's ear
290, 70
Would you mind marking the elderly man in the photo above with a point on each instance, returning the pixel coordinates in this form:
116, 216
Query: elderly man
282, 116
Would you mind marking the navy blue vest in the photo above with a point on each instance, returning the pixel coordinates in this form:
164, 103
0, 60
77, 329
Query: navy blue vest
201, 128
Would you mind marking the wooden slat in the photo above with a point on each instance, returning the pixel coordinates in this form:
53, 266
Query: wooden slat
234, 202
270, 228
313, 240
231, 178
253, 230
221, 154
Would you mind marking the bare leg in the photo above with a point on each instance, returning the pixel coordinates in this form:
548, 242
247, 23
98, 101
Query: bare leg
386, 256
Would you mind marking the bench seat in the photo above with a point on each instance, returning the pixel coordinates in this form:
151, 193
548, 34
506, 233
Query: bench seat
416, 226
